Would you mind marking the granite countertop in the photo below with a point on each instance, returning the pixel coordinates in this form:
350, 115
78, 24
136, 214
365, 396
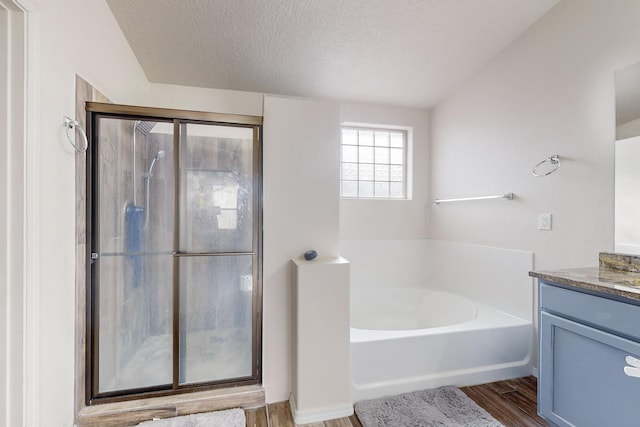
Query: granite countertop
596, 279
617, 274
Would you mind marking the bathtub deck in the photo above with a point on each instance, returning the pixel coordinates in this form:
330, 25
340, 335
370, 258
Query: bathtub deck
512, 402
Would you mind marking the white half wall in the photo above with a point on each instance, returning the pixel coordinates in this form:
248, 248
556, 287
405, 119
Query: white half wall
321, 379
550, 92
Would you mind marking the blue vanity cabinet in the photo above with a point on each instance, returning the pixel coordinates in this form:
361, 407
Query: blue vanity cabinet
586, 341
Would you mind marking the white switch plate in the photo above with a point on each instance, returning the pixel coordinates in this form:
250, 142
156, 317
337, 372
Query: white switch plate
544, 221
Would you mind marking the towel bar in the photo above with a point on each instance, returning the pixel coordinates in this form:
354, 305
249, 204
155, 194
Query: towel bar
508, 196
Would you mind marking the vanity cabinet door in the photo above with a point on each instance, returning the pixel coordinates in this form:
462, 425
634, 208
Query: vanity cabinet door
582, 379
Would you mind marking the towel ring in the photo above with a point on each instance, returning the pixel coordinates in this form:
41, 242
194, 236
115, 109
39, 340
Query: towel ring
554, 162
75, 125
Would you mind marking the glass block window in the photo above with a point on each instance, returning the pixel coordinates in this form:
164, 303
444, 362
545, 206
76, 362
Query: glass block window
373, 163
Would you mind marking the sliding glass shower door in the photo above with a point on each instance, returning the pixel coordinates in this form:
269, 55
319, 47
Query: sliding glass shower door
216, 259
132, 241
174, 291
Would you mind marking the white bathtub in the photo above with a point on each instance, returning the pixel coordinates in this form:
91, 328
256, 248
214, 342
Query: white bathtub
404, 340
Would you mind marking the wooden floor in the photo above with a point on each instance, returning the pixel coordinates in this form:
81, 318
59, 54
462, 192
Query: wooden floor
512, 402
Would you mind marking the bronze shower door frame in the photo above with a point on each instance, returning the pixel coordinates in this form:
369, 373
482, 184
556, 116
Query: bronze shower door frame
97, 110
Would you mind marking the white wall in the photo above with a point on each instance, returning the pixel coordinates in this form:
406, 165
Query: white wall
390, 219
203, 99
627, 198
550, 92
628, 129
11, 218
73, 37
5, 332
301, 212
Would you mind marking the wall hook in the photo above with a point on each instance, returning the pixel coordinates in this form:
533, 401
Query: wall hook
75, 125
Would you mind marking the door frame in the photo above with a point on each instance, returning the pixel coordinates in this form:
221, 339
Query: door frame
97, 109
19, 332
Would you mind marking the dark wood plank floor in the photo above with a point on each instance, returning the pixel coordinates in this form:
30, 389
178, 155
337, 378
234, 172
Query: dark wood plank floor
512, 402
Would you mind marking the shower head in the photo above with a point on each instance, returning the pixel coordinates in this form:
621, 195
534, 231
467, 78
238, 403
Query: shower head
159, 155
144, 127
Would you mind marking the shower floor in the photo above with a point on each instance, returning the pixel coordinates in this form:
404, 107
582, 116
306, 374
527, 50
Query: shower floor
210, 355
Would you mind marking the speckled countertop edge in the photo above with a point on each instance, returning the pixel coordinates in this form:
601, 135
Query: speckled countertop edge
623, 284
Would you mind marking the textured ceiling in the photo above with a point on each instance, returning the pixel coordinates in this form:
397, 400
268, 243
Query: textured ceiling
399, 52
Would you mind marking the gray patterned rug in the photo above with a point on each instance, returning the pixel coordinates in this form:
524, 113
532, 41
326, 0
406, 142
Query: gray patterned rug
446, 406
227, 418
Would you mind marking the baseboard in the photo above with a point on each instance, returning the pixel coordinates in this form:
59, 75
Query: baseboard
534, 371
319, 414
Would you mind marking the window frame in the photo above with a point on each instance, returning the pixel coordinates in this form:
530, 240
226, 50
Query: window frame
407, 133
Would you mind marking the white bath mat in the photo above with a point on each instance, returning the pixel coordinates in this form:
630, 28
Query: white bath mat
227, 418
446, 406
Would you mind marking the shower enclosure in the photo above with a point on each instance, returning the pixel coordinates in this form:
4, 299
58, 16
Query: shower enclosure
174, 225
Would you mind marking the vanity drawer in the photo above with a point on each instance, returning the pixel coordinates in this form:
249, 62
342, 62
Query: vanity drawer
612, 315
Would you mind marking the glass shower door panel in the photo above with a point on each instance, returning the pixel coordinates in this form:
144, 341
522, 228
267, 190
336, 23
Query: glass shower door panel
134, 247
135, 323
217, 184
215, 318
135, 186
